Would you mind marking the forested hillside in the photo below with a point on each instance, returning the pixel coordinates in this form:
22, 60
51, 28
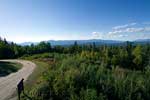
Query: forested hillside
87, 72
12, 50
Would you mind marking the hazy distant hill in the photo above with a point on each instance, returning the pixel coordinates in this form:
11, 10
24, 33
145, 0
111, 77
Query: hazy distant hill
70, 42
80, 42
142, 41
28, 43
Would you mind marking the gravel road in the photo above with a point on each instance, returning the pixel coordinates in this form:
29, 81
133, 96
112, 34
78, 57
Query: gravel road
8, 84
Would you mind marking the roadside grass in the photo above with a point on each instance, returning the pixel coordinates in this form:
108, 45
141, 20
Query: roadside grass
41, 67
34, 78
43, 62
7, 68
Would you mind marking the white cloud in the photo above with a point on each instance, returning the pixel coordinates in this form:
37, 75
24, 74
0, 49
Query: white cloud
146, 36
115, 32
118, 36
124, 32
97, 35
142, 29
147, 29
121, 35
146, 23
130, 30
134, 30
123, 26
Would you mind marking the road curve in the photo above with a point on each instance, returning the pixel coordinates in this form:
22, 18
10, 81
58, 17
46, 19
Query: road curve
8, 84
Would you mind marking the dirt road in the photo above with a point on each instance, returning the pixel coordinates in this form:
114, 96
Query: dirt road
8, 84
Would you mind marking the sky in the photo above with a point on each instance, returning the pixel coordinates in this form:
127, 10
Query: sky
38, 20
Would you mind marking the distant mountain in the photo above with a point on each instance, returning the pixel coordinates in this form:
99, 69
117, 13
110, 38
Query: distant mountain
80, 42
141, 41
90, 41
71, 42
28, 43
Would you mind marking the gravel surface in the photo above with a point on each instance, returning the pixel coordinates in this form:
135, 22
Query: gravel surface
8, 84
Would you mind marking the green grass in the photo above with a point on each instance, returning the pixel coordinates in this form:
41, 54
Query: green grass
34, 78
7, 68
41, 67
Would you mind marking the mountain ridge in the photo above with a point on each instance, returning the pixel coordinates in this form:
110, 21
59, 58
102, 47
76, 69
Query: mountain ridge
90, 41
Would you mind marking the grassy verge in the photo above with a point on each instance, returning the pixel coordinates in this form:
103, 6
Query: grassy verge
33, 79
35, 76
7, 68
43, 62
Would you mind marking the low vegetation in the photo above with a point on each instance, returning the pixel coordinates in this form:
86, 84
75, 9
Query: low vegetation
35, 76
76, 78
90, 72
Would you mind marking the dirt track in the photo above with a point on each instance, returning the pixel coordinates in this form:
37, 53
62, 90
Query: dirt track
8, 84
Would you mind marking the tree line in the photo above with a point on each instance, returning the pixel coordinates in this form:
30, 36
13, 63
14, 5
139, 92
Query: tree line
12, 50
126, 55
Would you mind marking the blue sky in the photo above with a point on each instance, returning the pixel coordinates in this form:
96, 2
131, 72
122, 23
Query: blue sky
37, 20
